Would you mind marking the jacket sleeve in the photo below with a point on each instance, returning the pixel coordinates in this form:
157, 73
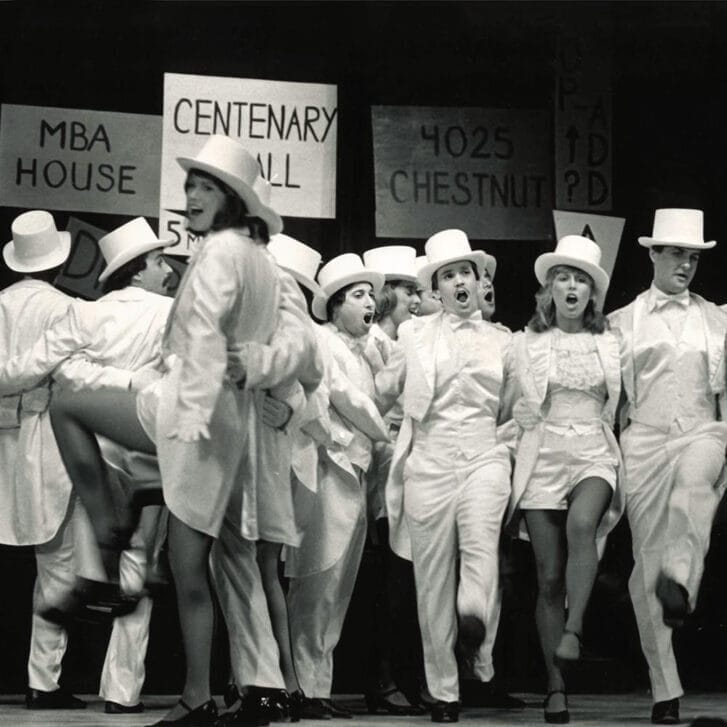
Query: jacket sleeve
70, 333
213, 290
390, 380
292, 352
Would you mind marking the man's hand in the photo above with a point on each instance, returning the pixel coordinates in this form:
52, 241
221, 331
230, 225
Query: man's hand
275, 413
144, 376
237, 363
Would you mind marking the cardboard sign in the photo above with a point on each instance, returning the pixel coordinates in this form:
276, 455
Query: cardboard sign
79, 275
485, 171
68, 159
290, 127
606, 231
583, 122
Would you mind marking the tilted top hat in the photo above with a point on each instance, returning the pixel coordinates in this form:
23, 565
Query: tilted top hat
450, 246
36, 245
678, 228
123, 244
227, 160
395, 262
576, 252
343, 270
298, 259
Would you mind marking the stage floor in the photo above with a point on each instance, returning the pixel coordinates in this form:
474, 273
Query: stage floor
587, 710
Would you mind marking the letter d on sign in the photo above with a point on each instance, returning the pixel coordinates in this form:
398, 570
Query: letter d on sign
84, 256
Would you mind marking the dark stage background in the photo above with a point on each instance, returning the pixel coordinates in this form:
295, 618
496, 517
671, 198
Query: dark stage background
669, 64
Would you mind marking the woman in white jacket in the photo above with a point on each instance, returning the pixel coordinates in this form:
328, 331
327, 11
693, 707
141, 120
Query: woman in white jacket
567, 460
196, 417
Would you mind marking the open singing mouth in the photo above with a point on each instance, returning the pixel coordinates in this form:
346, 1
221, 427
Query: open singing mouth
461, 296
368, 318
489, 296
571, 298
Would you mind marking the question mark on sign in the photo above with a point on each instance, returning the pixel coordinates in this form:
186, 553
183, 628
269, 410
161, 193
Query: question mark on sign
571, 181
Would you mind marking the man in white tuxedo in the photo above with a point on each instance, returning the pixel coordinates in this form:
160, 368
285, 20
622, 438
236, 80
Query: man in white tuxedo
672, 360
449, 482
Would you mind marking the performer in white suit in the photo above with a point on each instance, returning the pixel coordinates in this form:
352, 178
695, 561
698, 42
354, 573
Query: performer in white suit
450, 478
672, 359
396, 678
36, 503
126, 325
323, 569
566, 463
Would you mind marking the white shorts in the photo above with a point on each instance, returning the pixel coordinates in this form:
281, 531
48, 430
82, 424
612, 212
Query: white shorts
565, 460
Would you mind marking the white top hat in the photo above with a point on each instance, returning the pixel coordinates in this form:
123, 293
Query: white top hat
395, 262
576, 252
678, 228
343, 270
36, 245
449, 246
298, 259
123, 244
227, 160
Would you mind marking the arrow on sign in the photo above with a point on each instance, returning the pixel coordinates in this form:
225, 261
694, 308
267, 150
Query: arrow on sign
572, 136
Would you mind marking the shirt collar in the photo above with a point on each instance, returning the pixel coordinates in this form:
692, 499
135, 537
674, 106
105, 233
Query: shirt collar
658, 299
457, 322
354, 344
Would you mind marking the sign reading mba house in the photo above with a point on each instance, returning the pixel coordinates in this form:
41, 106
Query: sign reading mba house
80, 160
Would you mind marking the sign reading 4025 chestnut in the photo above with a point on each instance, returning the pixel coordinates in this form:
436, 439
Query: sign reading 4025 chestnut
485, 171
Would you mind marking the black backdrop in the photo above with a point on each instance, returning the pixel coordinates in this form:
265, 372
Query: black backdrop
668, 149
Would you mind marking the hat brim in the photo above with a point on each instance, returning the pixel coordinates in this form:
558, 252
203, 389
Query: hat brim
131, 253
600, 277
248, 195
318, 307
48, 262
304, 280
480, 258
650, 242
388, 277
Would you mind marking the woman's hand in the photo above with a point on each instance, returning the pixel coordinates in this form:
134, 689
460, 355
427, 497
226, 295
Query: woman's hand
275, 413
237, 363
189, 431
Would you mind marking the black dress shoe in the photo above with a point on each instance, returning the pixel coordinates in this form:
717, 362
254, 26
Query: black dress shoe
560, 717
379, 701
666, 712
337, 712
296, 705
58, 699
314, 708
273, 704
674, 601
445, 711
116, 708
203, 716
470, 636
254, 711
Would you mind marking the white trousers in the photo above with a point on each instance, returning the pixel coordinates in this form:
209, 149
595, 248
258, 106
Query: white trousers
254, 653
671, 498
54, 579
317, 605
123, 674
455, 507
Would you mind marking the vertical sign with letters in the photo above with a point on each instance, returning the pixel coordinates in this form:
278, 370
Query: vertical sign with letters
583, 120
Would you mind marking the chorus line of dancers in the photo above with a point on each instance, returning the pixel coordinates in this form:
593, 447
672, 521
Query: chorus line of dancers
274, 412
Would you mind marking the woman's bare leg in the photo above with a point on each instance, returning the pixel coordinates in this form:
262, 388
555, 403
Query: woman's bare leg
588, 503
189, 552
547, 534
76, 418
268, 558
